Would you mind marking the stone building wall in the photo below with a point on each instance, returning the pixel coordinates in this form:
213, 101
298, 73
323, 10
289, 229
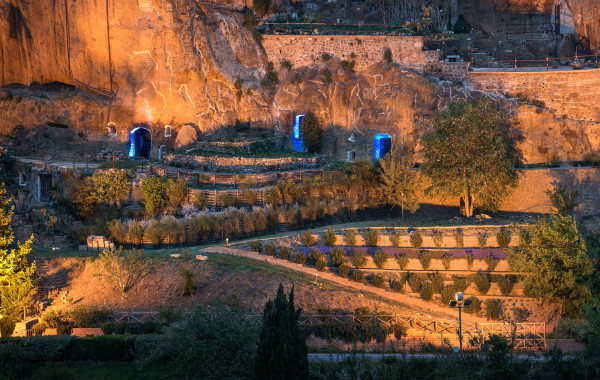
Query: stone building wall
304, 50
574, 93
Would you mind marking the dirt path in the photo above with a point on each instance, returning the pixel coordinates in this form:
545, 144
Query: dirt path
416, 304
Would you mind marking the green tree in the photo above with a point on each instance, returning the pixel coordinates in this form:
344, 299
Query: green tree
282, 351
555, 262
466, 155
153, 189
176, 192
311, 130
15, 272
563, 199
102, 187
591, 312
400, 183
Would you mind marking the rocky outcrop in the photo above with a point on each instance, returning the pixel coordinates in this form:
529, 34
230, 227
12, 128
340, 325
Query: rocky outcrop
186, 136
184, 61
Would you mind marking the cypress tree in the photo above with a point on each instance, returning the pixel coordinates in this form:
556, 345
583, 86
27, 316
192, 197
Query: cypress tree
282, 351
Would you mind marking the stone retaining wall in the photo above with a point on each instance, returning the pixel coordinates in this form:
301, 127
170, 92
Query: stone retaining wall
574, 93
406, 50
530, 197
245, 164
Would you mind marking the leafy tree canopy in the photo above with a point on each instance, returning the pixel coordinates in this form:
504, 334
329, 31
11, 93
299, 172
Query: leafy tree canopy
15, 272
466, 155
311, 130
400, 183
555, 262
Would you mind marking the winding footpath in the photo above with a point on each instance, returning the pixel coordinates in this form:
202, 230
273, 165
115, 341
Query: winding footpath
414, 304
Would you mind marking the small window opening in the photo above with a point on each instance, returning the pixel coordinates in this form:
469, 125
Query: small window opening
167, 131
112, 129
22, 179
350, 156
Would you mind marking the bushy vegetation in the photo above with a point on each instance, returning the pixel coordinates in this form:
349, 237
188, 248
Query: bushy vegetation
330, 238
338, 256
350, 237
402, 261
371, 238
359, 258
493, 309
503, 238
482, 282
381, 257
416, 240
425, 259
466, 155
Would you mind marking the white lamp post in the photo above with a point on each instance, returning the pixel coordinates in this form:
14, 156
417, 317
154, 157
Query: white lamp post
460, 303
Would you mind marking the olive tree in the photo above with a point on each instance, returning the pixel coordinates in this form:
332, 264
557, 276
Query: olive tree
400, 183
466, 155
555, 263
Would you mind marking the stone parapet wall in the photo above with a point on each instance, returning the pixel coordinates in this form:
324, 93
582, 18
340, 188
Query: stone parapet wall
574, 93
305, 50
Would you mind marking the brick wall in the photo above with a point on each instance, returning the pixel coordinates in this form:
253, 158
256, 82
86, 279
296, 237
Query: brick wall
304, 50
574, 93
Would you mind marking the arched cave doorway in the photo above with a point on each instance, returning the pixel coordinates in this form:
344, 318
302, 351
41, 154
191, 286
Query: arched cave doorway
140, 143
382, 144
297, 134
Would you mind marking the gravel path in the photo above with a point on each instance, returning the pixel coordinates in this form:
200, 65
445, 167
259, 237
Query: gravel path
416, 304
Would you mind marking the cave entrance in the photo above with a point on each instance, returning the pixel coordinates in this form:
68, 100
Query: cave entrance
140, 143
382, 144
297, 134
44, 187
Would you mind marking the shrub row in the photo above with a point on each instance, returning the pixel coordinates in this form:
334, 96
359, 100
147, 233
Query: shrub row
371, 238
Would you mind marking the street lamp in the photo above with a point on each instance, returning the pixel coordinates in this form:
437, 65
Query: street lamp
460, 303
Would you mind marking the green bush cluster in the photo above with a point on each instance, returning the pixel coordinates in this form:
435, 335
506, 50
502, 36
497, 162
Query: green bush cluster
447, 260
491, 262
378, 281
285, 253
255, 245
482, 282
416, 240
493, 309
396, 239
338, 256
425, 259
402, 259
358, 275
344, 270
270, 250
371, 238
426, 291
381, 257
503, 238
307, 238
350, 237
359, 258
330, 238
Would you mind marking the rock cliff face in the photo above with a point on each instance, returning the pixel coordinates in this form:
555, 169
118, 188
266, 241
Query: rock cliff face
182, 61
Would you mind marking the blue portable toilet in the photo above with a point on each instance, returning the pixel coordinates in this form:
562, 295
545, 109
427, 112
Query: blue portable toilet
140, 143
382, 144
297, 134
